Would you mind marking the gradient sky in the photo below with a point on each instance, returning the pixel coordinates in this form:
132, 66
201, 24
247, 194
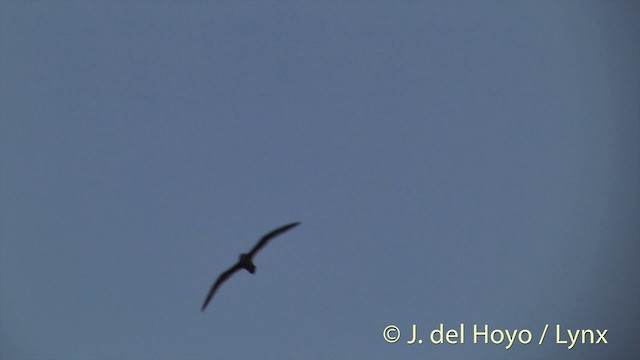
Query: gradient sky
451, 162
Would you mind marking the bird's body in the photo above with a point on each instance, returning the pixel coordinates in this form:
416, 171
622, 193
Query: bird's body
246, 261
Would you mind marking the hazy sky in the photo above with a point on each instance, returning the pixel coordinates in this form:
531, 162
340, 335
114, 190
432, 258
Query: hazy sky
454, 162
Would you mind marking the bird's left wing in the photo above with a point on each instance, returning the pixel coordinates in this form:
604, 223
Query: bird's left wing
263, 241
222, 278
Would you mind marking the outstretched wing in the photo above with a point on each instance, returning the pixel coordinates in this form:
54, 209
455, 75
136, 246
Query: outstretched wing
265, 239
222, 278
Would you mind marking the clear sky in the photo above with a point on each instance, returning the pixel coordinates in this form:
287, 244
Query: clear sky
454, 162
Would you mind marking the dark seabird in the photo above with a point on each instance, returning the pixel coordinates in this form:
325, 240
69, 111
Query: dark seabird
245, 261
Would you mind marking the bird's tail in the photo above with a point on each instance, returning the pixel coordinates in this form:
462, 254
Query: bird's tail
250, 267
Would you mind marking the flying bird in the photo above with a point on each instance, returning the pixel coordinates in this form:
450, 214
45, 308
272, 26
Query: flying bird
245, 261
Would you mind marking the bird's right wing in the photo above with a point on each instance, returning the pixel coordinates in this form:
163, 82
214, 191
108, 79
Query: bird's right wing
222, 278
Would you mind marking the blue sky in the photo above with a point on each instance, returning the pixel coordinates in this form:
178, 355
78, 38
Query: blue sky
450, 162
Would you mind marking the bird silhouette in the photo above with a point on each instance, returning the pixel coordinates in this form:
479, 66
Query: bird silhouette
246, 261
